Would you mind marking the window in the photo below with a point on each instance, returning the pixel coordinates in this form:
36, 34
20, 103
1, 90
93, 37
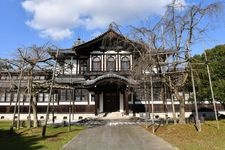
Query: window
8, 97
36, 77
14, 77
81, 95
139, 93
125, 64
83, 66
62, 95
55, 97
21, 97
96, 64
14, 97
92, 97
26, 98
2, 97
46, 96
40, 97
42, 77
111, 64
69, 95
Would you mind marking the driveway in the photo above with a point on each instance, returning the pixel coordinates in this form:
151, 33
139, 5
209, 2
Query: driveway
120, 137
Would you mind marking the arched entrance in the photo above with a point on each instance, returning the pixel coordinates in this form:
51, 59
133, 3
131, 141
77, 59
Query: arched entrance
111, 97
111, 93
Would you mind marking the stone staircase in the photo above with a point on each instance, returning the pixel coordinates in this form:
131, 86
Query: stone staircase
112, 115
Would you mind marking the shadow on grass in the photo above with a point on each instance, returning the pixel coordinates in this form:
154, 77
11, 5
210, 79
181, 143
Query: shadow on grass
9, 141
23, 141
211, 125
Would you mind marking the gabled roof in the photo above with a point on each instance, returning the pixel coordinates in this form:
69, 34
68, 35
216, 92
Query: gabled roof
106, 40
99, 38
102, 42
109, 40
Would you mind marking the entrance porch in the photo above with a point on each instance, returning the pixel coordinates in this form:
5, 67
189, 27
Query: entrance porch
112, 93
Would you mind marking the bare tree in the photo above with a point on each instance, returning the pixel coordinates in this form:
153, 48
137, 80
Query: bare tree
36, 59
174, 33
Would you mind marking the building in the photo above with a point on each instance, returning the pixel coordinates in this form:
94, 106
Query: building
100, 74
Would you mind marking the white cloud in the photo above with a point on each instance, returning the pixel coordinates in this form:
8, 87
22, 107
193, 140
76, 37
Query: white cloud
56, 19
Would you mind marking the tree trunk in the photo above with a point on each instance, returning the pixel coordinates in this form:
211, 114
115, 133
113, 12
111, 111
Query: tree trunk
34, 108
182, 112
182, 107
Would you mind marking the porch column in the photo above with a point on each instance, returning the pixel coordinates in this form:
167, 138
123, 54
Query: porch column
96, 103
133, 105
126, 102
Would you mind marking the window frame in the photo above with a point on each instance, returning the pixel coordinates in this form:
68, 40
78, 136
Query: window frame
96, 65
125, 64
110, 64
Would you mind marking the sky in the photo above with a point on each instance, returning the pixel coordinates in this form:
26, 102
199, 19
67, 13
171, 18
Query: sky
61, 22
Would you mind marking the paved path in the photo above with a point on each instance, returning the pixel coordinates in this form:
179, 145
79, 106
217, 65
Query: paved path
120, 137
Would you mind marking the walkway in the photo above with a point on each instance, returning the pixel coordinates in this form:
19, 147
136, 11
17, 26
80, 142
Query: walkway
120, 137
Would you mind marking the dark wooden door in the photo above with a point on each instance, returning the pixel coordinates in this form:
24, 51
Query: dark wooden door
111, 101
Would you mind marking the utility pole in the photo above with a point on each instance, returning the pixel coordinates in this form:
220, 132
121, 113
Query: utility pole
153, 122
53, 110
70, 109
30, 75
198, 123
172, 102
211, 89
145, 97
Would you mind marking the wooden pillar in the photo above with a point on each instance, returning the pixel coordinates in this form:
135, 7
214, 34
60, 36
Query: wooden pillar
96, 103
133, 105
126, 102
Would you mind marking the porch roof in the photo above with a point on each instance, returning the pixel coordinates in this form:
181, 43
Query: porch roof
92, 82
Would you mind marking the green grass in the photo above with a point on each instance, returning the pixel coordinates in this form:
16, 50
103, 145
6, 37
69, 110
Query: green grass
25, 139
185, 137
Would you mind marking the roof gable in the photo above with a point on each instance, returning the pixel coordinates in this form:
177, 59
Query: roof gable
110, 40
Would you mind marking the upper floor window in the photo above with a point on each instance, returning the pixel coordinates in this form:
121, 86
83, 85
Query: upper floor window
111, 64
125, 64
83, 66
96, 64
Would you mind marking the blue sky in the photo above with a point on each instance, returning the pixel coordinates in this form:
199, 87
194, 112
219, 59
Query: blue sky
61, 22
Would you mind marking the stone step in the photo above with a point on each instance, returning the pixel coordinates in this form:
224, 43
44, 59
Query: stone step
112, 115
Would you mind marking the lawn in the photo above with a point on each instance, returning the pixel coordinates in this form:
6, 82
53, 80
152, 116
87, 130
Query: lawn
185, 137
25, 139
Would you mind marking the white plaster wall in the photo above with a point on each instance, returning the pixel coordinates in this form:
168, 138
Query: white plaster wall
59, 117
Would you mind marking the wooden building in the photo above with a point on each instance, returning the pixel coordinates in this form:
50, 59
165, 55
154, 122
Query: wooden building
100, 74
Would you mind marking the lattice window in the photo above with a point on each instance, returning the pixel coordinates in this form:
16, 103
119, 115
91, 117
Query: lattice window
125, 63
96, 64
111, 64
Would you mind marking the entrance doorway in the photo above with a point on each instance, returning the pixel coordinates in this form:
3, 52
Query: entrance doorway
111, 101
